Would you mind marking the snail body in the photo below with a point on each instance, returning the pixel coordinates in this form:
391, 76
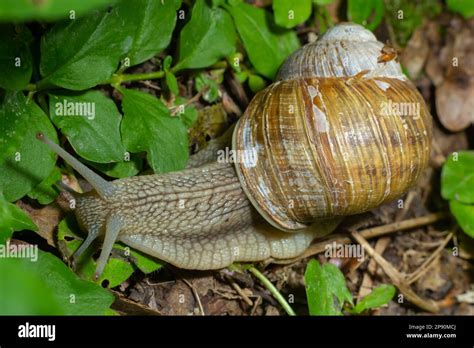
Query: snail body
322, 150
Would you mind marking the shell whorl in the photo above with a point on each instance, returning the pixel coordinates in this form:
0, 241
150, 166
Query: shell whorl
343, 51
324, 143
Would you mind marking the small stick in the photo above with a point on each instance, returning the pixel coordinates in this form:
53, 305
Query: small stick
239, 290
258, 301
368, 234
396, 277
429, 261
196, 296
193, 99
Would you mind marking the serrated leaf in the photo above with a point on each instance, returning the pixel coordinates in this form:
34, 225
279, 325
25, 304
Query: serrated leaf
152, 28
457, 177
148, 126
49, 10
359, 11
206, 38
15, 56
24, 161
46, 191
267, 46
290, 13
326, 289
48, 287
81, 53
379, 296
12, 219
91, 123
464, 214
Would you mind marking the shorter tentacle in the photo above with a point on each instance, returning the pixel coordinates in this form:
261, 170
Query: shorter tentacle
113, 227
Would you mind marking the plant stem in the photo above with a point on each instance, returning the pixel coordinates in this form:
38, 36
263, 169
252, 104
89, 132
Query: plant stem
136, 77
116, 80
274, 291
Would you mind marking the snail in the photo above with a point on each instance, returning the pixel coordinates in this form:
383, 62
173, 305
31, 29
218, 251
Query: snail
322, 142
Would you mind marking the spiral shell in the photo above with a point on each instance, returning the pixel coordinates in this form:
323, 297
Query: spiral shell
331, 137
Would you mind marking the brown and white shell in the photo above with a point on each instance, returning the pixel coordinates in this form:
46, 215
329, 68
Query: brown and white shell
339, 133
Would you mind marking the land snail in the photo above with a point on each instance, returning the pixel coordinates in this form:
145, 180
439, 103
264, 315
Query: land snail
323, 145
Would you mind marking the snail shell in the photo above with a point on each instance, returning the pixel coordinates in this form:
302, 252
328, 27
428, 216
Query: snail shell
327, 137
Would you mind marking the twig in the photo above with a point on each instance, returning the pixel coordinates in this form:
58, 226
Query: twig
196, 295
195, 98
148, 84
397, 278
239, 290
257, 303
368, 234
408, 201
429, 261
273, 290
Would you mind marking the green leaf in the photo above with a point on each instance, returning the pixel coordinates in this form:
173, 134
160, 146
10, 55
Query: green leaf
369, 13
123, 169
290, 13
167, 62
81, 53
15, 56
171, 82
152, 28
256, 83
464, 214
212, 92
48, 287
187, 113
206, 38
322, 2
46, 191
324, 285
457, 177
91, 123
145, 263
464, 7
406, 15
267, 46
24, 161
49, 10
94, 52
379, 296
12, 219
148, 126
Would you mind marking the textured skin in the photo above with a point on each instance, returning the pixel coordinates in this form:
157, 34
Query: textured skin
196, 219
322, 151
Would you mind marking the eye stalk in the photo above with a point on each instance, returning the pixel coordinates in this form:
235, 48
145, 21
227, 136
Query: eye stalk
103, 187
